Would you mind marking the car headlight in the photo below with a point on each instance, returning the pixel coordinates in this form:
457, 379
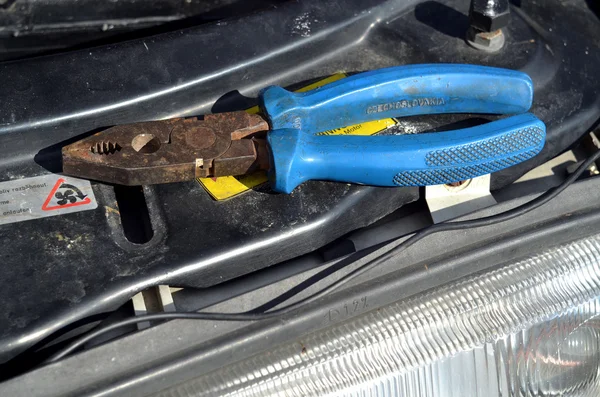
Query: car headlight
528, 328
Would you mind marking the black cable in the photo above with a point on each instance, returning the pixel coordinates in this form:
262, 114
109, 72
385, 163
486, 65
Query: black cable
249, 316
38, 352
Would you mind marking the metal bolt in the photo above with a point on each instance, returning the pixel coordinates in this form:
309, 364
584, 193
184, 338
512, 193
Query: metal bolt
455, 187
489, 15
486, 19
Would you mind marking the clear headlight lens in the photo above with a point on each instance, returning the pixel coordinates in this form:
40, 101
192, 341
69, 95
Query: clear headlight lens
527, 329
559, 357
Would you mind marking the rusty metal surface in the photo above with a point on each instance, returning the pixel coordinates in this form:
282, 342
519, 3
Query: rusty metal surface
169, 151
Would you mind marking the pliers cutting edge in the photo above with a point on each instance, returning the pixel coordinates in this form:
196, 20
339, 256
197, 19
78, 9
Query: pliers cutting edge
234, 143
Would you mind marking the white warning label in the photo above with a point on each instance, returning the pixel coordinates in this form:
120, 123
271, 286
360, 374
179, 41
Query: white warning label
43, 196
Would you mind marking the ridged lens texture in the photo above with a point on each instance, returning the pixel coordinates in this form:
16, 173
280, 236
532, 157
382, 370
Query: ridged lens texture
558, 357
527, 329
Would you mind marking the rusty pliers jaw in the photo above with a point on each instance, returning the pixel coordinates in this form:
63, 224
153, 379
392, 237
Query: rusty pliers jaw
170, 151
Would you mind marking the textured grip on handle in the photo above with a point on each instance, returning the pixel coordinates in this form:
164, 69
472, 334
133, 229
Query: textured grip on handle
405, 160
399, 91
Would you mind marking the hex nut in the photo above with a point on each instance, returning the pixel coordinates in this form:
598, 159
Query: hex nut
486, 41
489, 15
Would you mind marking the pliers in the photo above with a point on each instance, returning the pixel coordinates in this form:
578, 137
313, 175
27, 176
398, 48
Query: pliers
234, 143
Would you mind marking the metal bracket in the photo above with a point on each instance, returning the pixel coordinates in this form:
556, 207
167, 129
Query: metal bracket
453, 200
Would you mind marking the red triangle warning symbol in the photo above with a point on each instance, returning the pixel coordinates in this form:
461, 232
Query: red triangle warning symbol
71, 197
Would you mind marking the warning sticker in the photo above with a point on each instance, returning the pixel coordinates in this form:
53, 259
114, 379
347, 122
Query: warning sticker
222, 188
43, 196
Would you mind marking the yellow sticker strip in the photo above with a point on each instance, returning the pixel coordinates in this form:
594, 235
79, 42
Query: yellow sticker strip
225, 187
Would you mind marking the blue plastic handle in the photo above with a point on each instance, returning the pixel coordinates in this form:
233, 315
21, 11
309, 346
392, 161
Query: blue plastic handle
399, 91
403, 160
